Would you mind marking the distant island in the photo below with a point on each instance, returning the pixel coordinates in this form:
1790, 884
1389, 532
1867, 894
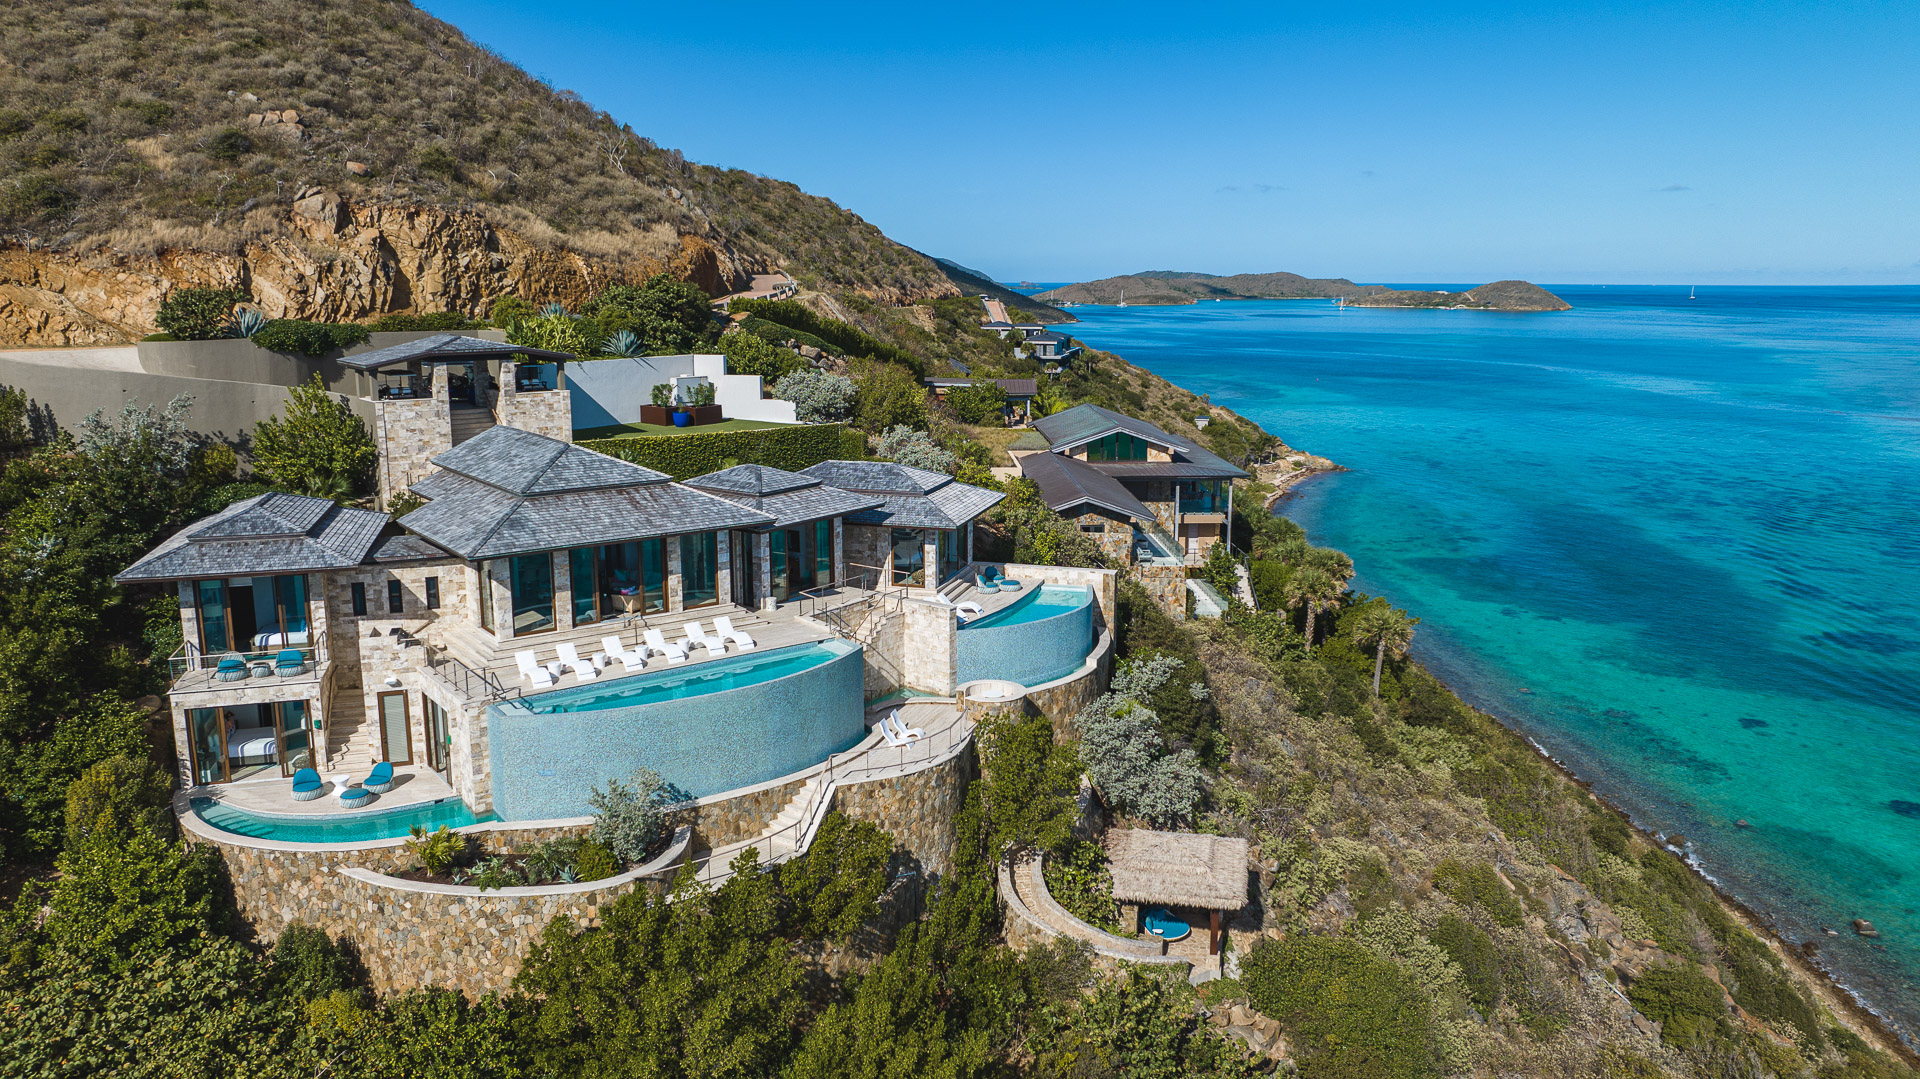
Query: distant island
1160, 287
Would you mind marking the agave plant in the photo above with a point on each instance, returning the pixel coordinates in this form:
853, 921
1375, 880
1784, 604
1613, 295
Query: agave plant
554, 310
622, 343
246, 322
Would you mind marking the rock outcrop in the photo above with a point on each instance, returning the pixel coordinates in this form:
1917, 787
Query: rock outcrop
336, 260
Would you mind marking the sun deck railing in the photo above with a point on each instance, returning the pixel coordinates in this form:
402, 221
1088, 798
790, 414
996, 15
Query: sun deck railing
470, 683
189, 659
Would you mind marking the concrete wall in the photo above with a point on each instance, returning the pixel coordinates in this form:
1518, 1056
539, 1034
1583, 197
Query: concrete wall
610, 390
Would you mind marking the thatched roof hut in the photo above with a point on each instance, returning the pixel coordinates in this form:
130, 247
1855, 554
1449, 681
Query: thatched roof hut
1178, 869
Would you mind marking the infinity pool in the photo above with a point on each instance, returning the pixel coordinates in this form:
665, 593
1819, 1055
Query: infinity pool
1043, 636
713, 726
362, 827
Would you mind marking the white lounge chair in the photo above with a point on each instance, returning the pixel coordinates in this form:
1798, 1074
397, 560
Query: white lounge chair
723, 625
541, 675
886, 731
658, 645
582, 670
697, 635
633, 658
898, 733
966, 608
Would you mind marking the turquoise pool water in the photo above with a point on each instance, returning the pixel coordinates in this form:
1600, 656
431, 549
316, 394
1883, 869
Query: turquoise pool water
361, 827
716, 726
1043, 602
1042, 636
733, 672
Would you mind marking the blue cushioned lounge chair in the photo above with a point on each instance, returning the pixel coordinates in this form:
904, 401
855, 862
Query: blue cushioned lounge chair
307, 785
231, 669
289, 662
355, 796
985, 583
1003, 583
380, 780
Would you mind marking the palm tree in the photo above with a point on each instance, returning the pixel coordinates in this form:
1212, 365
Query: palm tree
1384, 629
1311, 587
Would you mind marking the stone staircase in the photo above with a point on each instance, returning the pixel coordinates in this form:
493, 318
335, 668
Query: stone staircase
784, 837
468, 422
353, 743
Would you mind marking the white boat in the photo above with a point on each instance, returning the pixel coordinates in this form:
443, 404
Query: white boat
1691, 289
1123, 297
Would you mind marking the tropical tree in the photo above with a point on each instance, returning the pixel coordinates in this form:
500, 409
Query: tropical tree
1310, 589
1383, 628
1050, 400
317, 446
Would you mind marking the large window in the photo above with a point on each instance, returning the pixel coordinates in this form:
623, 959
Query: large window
699, 569
213, 616
484, 571
243, 741
1118, 446
241, 614
949, 547
909, 557
583, 581
631, 578
532, 578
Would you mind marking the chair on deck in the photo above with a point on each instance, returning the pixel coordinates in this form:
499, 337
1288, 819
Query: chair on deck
540, 674
1001, 583
307, 785
289, 663
657, 644
232, 668
723, 625
355, 796
570, 657
696, 635
633, 659
898, 733
985, 583
380, 780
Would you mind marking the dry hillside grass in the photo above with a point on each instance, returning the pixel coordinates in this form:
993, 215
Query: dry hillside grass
138, 124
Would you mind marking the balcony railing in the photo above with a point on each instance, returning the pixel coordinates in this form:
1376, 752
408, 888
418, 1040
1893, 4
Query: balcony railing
189, 659
1203, 505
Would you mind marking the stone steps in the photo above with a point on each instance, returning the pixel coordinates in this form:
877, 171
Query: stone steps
468, 422
779, 841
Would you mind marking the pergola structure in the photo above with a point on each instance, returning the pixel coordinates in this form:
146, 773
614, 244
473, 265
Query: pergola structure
1179, 869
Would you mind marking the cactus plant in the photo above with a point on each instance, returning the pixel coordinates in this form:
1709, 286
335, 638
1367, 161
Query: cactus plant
554, 310
246, 322
623, 343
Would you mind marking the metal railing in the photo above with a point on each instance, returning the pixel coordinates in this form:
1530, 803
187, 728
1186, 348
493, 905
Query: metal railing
470, 683
188, 658
851, 766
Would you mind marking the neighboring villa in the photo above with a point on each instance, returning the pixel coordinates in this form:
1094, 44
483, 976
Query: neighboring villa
1155, 502
1020, 394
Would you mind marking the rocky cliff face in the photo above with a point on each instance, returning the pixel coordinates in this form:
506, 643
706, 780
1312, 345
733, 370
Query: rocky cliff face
335, 260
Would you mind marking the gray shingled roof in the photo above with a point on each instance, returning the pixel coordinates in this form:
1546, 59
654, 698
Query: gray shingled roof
912, 497
1084, 423
1066, 483
449, 347
1013, 387
507, 491
270, 533
791, 497
402, 547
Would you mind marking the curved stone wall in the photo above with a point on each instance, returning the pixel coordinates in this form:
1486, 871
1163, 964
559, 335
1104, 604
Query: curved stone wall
1062, 700
1028, 652
545, 763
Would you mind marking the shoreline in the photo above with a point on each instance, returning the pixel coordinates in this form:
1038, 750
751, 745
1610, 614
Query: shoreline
1847, 1005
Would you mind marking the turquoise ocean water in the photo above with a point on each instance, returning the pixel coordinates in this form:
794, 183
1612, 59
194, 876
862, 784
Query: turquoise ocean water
1676, 542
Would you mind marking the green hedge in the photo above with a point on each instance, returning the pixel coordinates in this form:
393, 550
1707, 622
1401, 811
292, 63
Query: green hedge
700, 452
308, 338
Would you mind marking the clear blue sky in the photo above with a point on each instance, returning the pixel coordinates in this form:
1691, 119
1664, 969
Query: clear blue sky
1751, 142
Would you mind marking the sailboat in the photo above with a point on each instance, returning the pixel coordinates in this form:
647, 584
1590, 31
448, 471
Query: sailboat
1691, 289
1123, 297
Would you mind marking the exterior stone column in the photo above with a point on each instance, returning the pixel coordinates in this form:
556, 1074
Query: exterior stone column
763, 570
839, 549
676, 582
562, 589
502, 593
930, 556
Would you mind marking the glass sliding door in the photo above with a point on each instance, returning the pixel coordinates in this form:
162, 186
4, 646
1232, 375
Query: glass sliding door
532, 576
483, 572
582, 579
948, 544
699, 569
396, 739
290, 608
783, 541
909, 557
653, 574
822, 553
296, 742
207, 739
741, 544
439, 742
215, 634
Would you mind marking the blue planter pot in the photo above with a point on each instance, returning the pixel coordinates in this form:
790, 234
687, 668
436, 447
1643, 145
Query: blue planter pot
682, 419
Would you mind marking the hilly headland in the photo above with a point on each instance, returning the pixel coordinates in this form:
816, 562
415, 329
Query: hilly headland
1163, 287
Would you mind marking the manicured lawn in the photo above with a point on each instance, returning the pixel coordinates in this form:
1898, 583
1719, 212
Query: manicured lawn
633, 430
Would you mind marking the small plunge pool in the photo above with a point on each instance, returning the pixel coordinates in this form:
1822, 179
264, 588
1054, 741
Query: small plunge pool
365, 826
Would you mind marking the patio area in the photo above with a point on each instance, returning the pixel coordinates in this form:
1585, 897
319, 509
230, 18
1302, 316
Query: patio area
413, 784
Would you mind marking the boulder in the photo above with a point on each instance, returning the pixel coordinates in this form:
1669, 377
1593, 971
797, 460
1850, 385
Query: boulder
356, 168
1865, 928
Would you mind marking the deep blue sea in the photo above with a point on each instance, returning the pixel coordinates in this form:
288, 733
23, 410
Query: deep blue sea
1676, 542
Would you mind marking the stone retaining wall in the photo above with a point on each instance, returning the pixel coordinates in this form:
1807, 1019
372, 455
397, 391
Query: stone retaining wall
918, 808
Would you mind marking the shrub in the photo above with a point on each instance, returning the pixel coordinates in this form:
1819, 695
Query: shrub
439, 321
553, 860
1469, 946
1078, 880
817, 396
228, 144
915, 449
494, 873
834, 889
1477, 885
555, 333
437, 159
197, 314
669, 314
594, 862
625, 343
887, 396
1688, 1005
438, 850
309, 338
507, 310
119, 796
308, 964
748, 354
982, 402
1126, 756
696, 453
1027, 784
317, 445
247, 322
1351, 1012
631, 818
123, 899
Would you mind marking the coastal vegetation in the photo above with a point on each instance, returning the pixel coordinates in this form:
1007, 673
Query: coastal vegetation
1160, 287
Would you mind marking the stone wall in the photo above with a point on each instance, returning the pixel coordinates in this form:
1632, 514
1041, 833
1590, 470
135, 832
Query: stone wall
1166, 585
930, 653
866, 548
544, 412
918, 808
1063, 700
410, 432
1112, 532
